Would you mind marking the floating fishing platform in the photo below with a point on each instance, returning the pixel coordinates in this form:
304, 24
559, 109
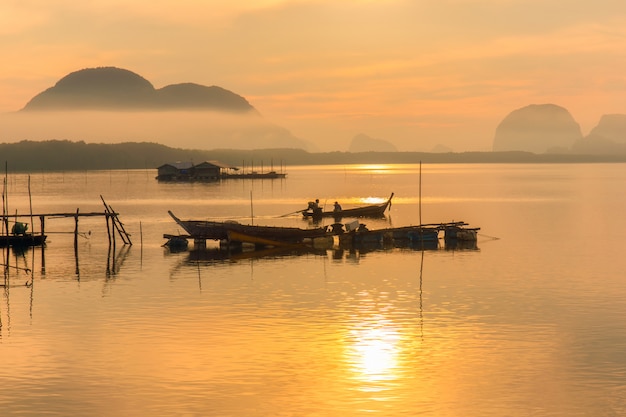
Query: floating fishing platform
352, 234
212, 171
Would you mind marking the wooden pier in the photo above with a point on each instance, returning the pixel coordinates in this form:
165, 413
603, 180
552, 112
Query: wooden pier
22, 238
19, 239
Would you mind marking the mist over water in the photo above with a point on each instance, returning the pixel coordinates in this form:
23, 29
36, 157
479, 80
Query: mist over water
179, 129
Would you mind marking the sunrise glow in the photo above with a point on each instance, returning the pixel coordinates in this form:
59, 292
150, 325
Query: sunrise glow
415, 74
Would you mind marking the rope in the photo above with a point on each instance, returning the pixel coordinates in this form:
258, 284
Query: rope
489, 237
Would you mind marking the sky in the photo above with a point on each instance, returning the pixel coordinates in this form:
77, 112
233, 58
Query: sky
417, 73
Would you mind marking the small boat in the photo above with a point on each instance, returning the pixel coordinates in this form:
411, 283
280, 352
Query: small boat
374, 210
235, 236
214, 230
22, 240
176, 243
318, 242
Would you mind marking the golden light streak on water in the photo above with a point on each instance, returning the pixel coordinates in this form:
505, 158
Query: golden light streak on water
374, 354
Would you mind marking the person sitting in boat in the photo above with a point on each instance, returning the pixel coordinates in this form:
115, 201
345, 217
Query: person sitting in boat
19, 228
336, 229
337, 207
314, 205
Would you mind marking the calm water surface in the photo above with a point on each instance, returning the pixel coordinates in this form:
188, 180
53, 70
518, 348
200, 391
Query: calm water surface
530, 323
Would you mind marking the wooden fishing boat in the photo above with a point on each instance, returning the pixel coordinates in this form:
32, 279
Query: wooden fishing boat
214, 230
374, 210
319, 242
236, 236
22, 240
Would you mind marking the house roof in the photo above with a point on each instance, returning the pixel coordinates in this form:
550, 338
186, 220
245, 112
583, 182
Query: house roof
188, 164
218, 164
178, 165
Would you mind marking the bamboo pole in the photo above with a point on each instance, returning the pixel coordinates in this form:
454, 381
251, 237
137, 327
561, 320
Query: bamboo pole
5, 212
108, 228
42, 219
420, 194
420, 210
76, 232
251, 209
30, 203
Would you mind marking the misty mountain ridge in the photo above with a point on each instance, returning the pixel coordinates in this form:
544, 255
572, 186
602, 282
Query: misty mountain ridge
111, 88
535, 128
365, 143
549, 128
112, 105
612, 127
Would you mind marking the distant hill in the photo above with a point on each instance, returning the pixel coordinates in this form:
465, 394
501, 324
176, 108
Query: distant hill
548, 128
111, 88
607, 138
113, 105
537, 128
364, 143
611, 127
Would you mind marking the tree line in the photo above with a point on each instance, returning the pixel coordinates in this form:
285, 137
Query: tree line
63, 155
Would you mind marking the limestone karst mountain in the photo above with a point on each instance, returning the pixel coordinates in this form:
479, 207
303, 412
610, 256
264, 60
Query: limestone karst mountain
611, 127
112, 105
111, 88
537, 128
607, 138
364, 143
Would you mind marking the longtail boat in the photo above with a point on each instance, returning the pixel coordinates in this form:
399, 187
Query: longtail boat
215, 230
23, 240
373, 210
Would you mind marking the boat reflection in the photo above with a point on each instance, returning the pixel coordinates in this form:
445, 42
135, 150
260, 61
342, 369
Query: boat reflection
464, 245
339, 250
216, 255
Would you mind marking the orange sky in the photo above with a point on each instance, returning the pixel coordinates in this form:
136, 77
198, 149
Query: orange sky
416, 73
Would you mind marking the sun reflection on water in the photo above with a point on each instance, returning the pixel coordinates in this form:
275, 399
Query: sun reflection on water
374, 353
372, 166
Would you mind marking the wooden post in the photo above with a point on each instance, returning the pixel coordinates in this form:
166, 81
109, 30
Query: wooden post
76, 243
140, 244
106, 218
30, 202
112, 223
420, 210
76, 231
251, 209
43, 244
